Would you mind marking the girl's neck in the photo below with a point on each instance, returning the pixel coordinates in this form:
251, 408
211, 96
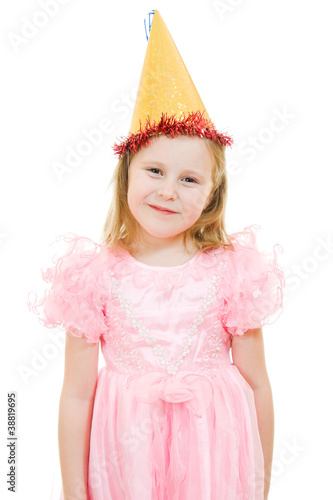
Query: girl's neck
166, 256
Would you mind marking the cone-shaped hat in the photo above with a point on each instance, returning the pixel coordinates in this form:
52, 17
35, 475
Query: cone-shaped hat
167, 101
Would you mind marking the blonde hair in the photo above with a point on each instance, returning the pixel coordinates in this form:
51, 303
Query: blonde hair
208, 232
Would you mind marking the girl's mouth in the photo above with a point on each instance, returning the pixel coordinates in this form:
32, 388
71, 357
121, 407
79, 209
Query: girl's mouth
165, 212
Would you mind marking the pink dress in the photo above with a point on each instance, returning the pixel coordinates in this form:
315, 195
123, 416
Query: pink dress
173, 417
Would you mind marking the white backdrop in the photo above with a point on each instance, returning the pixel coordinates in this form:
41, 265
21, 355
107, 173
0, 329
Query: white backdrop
263, 70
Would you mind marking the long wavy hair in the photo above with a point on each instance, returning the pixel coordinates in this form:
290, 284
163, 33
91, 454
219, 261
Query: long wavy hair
208, 232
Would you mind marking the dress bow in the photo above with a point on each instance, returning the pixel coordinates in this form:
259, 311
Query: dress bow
193, 389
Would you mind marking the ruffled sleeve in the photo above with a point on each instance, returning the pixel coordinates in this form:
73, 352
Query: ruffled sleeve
79, 288
256, 283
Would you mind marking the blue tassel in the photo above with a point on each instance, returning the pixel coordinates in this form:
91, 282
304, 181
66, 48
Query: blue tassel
150, 15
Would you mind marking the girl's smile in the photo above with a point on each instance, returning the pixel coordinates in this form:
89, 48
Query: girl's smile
165, 212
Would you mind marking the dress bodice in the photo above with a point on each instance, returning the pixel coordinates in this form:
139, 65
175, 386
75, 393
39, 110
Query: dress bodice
172, 319
156, 315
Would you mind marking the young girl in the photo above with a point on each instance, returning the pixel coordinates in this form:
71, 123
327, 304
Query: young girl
168, 294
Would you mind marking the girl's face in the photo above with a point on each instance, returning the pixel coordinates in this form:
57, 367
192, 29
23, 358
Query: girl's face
175, 173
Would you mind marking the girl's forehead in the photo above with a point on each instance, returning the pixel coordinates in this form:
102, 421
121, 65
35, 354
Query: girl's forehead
162, 144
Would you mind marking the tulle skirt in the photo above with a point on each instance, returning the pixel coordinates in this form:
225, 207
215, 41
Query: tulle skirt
164, 450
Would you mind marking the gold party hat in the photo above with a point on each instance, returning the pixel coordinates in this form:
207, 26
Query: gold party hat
167, 101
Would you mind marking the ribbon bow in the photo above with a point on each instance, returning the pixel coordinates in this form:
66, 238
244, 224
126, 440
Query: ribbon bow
193, 389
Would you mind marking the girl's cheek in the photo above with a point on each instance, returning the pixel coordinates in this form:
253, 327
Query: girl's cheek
196, 200
147, 183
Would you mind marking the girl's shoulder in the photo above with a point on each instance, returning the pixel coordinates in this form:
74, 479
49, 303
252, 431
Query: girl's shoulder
244, 248
78, 286
253, 281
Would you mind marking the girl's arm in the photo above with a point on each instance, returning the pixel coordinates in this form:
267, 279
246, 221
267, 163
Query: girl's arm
249, 357
75, 414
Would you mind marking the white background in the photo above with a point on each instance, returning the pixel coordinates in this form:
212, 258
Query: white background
250, 61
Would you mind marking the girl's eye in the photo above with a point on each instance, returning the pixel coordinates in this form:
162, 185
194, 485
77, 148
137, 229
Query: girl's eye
151, 169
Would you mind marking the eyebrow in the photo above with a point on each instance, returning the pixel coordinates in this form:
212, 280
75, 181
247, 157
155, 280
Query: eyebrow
186, 171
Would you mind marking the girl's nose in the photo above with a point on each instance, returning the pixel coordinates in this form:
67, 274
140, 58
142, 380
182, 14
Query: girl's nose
167, 189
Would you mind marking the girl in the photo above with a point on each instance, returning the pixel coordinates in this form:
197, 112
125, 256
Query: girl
169, 295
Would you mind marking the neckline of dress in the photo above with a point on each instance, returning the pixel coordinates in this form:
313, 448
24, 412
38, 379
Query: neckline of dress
161, 268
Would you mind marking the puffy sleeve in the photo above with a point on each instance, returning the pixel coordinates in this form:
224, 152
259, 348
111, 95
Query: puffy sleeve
255, 285
78, 289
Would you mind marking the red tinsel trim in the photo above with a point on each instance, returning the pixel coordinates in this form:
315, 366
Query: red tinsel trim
194, 124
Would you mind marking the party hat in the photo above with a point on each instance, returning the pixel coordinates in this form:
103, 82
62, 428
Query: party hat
167, 101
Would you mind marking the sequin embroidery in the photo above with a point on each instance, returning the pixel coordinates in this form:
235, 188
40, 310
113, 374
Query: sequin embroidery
172, 365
